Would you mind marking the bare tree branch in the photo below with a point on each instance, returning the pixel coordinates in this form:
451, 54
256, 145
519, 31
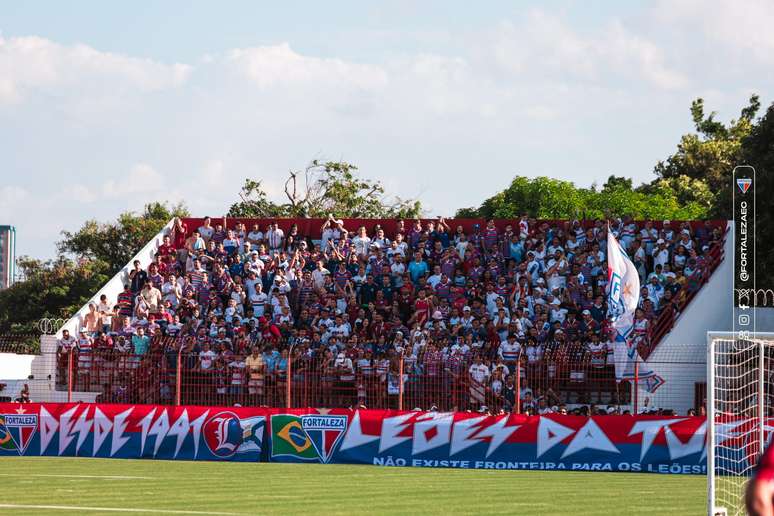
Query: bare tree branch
291, 197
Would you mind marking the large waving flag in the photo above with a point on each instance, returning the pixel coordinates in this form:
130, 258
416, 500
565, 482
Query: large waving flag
623, 284
623, 296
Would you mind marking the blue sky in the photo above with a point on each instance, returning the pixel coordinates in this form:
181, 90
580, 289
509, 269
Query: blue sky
185, 30
106, 106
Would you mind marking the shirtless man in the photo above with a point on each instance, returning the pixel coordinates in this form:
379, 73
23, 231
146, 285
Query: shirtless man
92, 320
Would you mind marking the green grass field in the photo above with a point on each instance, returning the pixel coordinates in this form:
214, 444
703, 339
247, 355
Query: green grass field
40, 485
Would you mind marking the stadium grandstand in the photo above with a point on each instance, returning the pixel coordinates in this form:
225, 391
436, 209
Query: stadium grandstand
484, 315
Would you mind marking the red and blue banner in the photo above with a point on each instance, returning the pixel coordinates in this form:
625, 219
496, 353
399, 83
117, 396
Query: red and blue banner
379, 437
131, 431
468, 440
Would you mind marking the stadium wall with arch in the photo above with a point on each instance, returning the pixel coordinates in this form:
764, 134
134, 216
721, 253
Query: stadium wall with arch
378, 437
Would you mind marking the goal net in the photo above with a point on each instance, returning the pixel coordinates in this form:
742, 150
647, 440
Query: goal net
739, 376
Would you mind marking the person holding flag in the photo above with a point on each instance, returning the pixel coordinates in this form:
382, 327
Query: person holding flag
623, 297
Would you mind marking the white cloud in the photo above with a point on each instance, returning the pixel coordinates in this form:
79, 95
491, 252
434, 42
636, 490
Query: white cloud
743, 28
212, 173
34, 64
13, 200
546, 46
78, 193
141, 179
12, 194
280, 66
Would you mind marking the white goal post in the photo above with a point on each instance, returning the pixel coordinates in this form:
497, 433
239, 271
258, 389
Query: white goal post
740, 385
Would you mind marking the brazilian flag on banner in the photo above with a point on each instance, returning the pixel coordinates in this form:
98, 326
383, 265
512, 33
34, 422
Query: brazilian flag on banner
6, 442
289, 440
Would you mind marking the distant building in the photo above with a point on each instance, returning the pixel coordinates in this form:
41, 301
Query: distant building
7, 256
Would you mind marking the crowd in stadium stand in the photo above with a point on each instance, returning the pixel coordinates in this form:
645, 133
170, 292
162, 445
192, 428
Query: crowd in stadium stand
347, 305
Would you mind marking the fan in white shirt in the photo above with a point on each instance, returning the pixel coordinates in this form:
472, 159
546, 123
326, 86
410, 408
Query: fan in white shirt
534, 353
255, 237
274, 237
258, 301
361, 242
479, 371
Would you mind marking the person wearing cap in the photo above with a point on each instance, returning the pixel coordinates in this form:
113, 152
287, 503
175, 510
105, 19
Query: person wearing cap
660, 253
534, 267
466, 321
685, 239
589, 324
667, 233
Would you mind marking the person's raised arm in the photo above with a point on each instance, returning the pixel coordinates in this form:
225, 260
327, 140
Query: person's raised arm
327, 223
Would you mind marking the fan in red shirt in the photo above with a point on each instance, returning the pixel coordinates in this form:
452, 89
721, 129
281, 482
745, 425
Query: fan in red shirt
422, 308
166, 248
268, 330
179, 233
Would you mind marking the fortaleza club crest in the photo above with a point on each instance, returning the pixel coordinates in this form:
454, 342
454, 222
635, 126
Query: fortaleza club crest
744, 184
17, 431
311, 437
226, 434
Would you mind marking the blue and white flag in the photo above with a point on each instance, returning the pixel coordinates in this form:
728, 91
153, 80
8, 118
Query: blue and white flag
623, 296
623, 284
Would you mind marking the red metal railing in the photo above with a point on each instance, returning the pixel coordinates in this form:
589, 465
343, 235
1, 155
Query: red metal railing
170, 374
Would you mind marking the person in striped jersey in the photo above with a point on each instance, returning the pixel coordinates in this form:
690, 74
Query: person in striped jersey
85, 347
509, 349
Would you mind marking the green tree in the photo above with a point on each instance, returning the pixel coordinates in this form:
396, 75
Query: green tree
53, 289
322, 188
255, 203
543, 197
115, 243
710, 154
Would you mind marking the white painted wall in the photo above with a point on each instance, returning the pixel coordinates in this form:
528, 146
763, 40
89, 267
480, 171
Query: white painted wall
15, 367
